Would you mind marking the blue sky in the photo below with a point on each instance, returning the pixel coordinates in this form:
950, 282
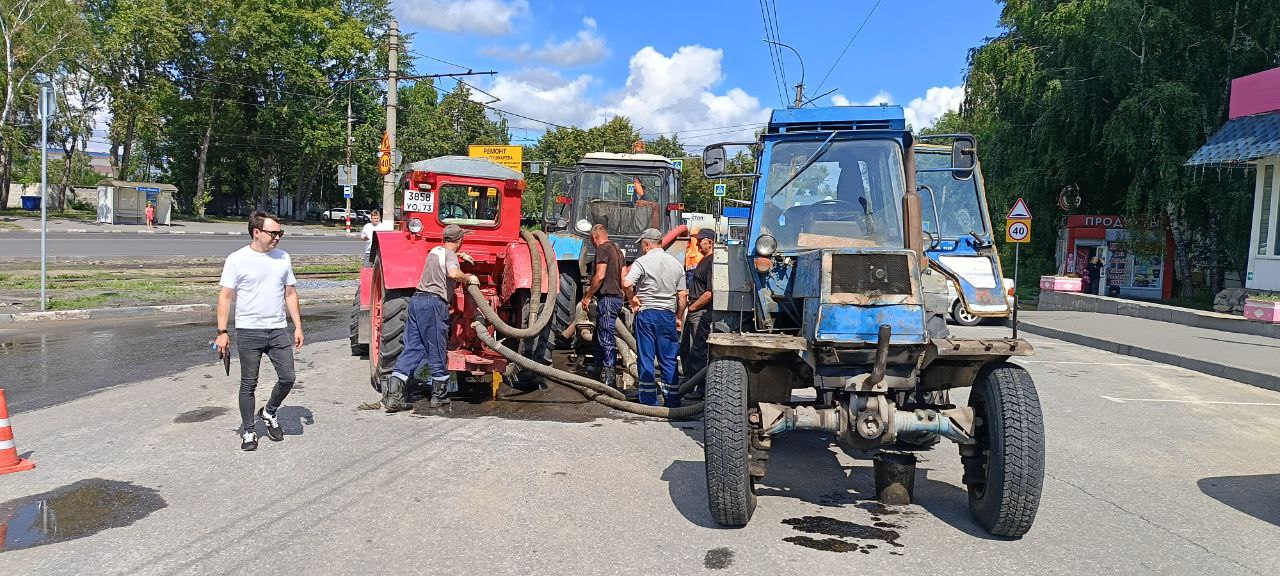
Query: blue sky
698, 69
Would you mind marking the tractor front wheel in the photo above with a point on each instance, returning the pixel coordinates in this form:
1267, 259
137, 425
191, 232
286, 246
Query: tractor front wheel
1005, 471
726, 444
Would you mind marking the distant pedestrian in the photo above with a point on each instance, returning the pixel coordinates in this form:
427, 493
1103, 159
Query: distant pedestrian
375, 224
1095, 276
655, 285
426, 331
606, 287
151, 215
259, 279
697, 321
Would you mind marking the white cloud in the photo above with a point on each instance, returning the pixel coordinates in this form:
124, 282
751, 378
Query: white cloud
586, 47
488, 17
921, 112
662, 94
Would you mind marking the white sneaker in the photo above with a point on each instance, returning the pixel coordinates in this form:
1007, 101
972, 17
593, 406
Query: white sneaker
249, 440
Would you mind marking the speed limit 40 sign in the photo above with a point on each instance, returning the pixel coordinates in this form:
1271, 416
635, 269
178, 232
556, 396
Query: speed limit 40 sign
1018, 230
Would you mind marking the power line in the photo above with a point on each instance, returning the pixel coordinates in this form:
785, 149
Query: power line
500, 111
777, 37
416, 53
251, 86
848, 44
773, 61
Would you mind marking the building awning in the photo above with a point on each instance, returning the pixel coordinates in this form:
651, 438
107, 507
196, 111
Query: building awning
1241, 139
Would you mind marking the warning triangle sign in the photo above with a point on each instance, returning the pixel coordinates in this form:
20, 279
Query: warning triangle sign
1019, 210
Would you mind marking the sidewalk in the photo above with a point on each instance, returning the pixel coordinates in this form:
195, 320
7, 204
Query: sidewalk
55, 224
1244, 358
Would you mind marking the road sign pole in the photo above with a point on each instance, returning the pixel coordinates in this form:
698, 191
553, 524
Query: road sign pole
1016, 250
45, 94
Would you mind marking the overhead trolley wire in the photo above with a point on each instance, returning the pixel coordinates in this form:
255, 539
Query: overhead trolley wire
848, 44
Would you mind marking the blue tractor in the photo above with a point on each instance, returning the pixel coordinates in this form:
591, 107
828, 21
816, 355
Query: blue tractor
832, 289
625, 192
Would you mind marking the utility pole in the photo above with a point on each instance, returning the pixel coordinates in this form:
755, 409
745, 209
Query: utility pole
389, 179
348, 164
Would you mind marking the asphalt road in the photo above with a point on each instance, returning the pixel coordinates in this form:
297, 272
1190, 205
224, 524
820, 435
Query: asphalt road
1151, 470
71, 245
48, 363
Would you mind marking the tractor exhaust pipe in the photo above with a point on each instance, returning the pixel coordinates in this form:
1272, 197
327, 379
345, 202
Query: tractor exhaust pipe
882, 356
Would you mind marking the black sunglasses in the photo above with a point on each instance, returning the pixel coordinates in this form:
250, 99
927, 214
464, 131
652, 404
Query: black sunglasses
273, 233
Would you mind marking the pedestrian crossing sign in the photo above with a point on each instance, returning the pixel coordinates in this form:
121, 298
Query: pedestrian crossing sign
719, 190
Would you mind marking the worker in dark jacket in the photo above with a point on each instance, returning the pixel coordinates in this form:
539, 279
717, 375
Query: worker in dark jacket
697, 320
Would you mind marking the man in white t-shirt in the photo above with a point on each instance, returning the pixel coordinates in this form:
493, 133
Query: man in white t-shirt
259, 278
375, 224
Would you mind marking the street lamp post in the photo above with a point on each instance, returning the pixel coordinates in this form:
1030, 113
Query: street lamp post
46, 107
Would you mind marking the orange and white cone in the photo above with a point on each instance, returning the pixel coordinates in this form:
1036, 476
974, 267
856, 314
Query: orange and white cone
9, 460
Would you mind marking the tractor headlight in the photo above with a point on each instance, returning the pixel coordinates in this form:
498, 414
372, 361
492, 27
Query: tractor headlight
415, 226
766, 245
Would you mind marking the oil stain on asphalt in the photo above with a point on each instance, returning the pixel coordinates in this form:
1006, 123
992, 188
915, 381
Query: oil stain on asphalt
74, 511
840, 530
718, 558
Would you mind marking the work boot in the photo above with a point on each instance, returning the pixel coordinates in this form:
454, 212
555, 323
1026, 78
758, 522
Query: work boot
610, 377
393, 393
440, 393
648, 394
670, 395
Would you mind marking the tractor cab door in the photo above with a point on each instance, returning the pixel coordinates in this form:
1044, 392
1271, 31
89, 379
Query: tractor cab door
954, 213
558, 201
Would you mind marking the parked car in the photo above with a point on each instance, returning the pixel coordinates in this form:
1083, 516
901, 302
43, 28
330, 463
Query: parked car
362, 216
961, 316
339, 214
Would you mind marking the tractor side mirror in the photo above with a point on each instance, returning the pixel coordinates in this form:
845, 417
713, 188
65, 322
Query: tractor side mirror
964, 156
714, 160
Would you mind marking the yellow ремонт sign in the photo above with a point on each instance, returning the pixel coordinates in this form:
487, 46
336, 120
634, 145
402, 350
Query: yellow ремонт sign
509, 156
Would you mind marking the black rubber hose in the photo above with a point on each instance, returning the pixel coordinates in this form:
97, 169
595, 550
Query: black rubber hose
594, 390
546, 306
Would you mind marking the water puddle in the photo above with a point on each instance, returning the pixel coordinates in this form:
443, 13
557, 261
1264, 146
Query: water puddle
75, 511
718, 558
201, 414
830, 544
555, 403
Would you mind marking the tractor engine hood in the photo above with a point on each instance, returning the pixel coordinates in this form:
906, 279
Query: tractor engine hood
849, 293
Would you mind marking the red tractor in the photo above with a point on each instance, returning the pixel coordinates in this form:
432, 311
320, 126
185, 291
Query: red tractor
483, 197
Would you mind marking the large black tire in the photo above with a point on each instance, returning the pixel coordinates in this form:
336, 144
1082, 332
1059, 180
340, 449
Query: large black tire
1006, 474
357, 349
538, 348
566, 300
395, 314
726, 441
962, 316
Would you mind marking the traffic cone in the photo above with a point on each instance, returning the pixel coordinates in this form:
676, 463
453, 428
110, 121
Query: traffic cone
9, 460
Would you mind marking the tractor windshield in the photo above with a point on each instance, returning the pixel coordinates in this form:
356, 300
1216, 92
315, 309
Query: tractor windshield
469, 205
850, 197
625, 203
959, 207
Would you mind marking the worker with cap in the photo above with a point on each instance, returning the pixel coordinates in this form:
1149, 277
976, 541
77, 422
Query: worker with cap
426, 332
656, 289
606, 288
697, 321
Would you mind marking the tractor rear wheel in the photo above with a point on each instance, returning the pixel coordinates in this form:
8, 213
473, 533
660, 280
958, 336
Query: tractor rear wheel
1005, 471
726, 443
565, 309
388, 315
537, 348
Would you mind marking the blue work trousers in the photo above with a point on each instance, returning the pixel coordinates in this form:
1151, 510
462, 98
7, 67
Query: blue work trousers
426, 337
606, 340
656, 337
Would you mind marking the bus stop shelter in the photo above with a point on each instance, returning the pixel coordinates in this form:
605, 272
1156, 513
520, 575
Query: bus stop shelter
121, 202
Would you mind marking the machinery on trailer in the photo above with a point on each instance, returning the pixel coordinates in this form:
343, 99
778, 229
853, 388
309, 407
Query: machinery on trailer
843, 298
483, 198
627, 193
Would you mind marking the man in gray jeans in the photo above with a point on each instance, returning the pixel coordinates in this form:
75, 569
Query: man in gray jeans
259, 278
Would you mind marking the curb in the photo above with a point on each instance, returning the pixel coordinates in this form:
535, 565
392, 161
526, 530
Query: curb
135, 311
1250, 377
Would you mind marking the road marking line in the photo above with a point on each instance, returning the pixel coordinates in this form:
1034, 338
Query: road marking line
1174, 401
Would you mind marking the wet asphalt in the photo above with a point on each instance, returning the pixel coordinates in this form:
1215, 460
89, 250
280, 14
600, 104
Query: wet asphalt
48, 363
